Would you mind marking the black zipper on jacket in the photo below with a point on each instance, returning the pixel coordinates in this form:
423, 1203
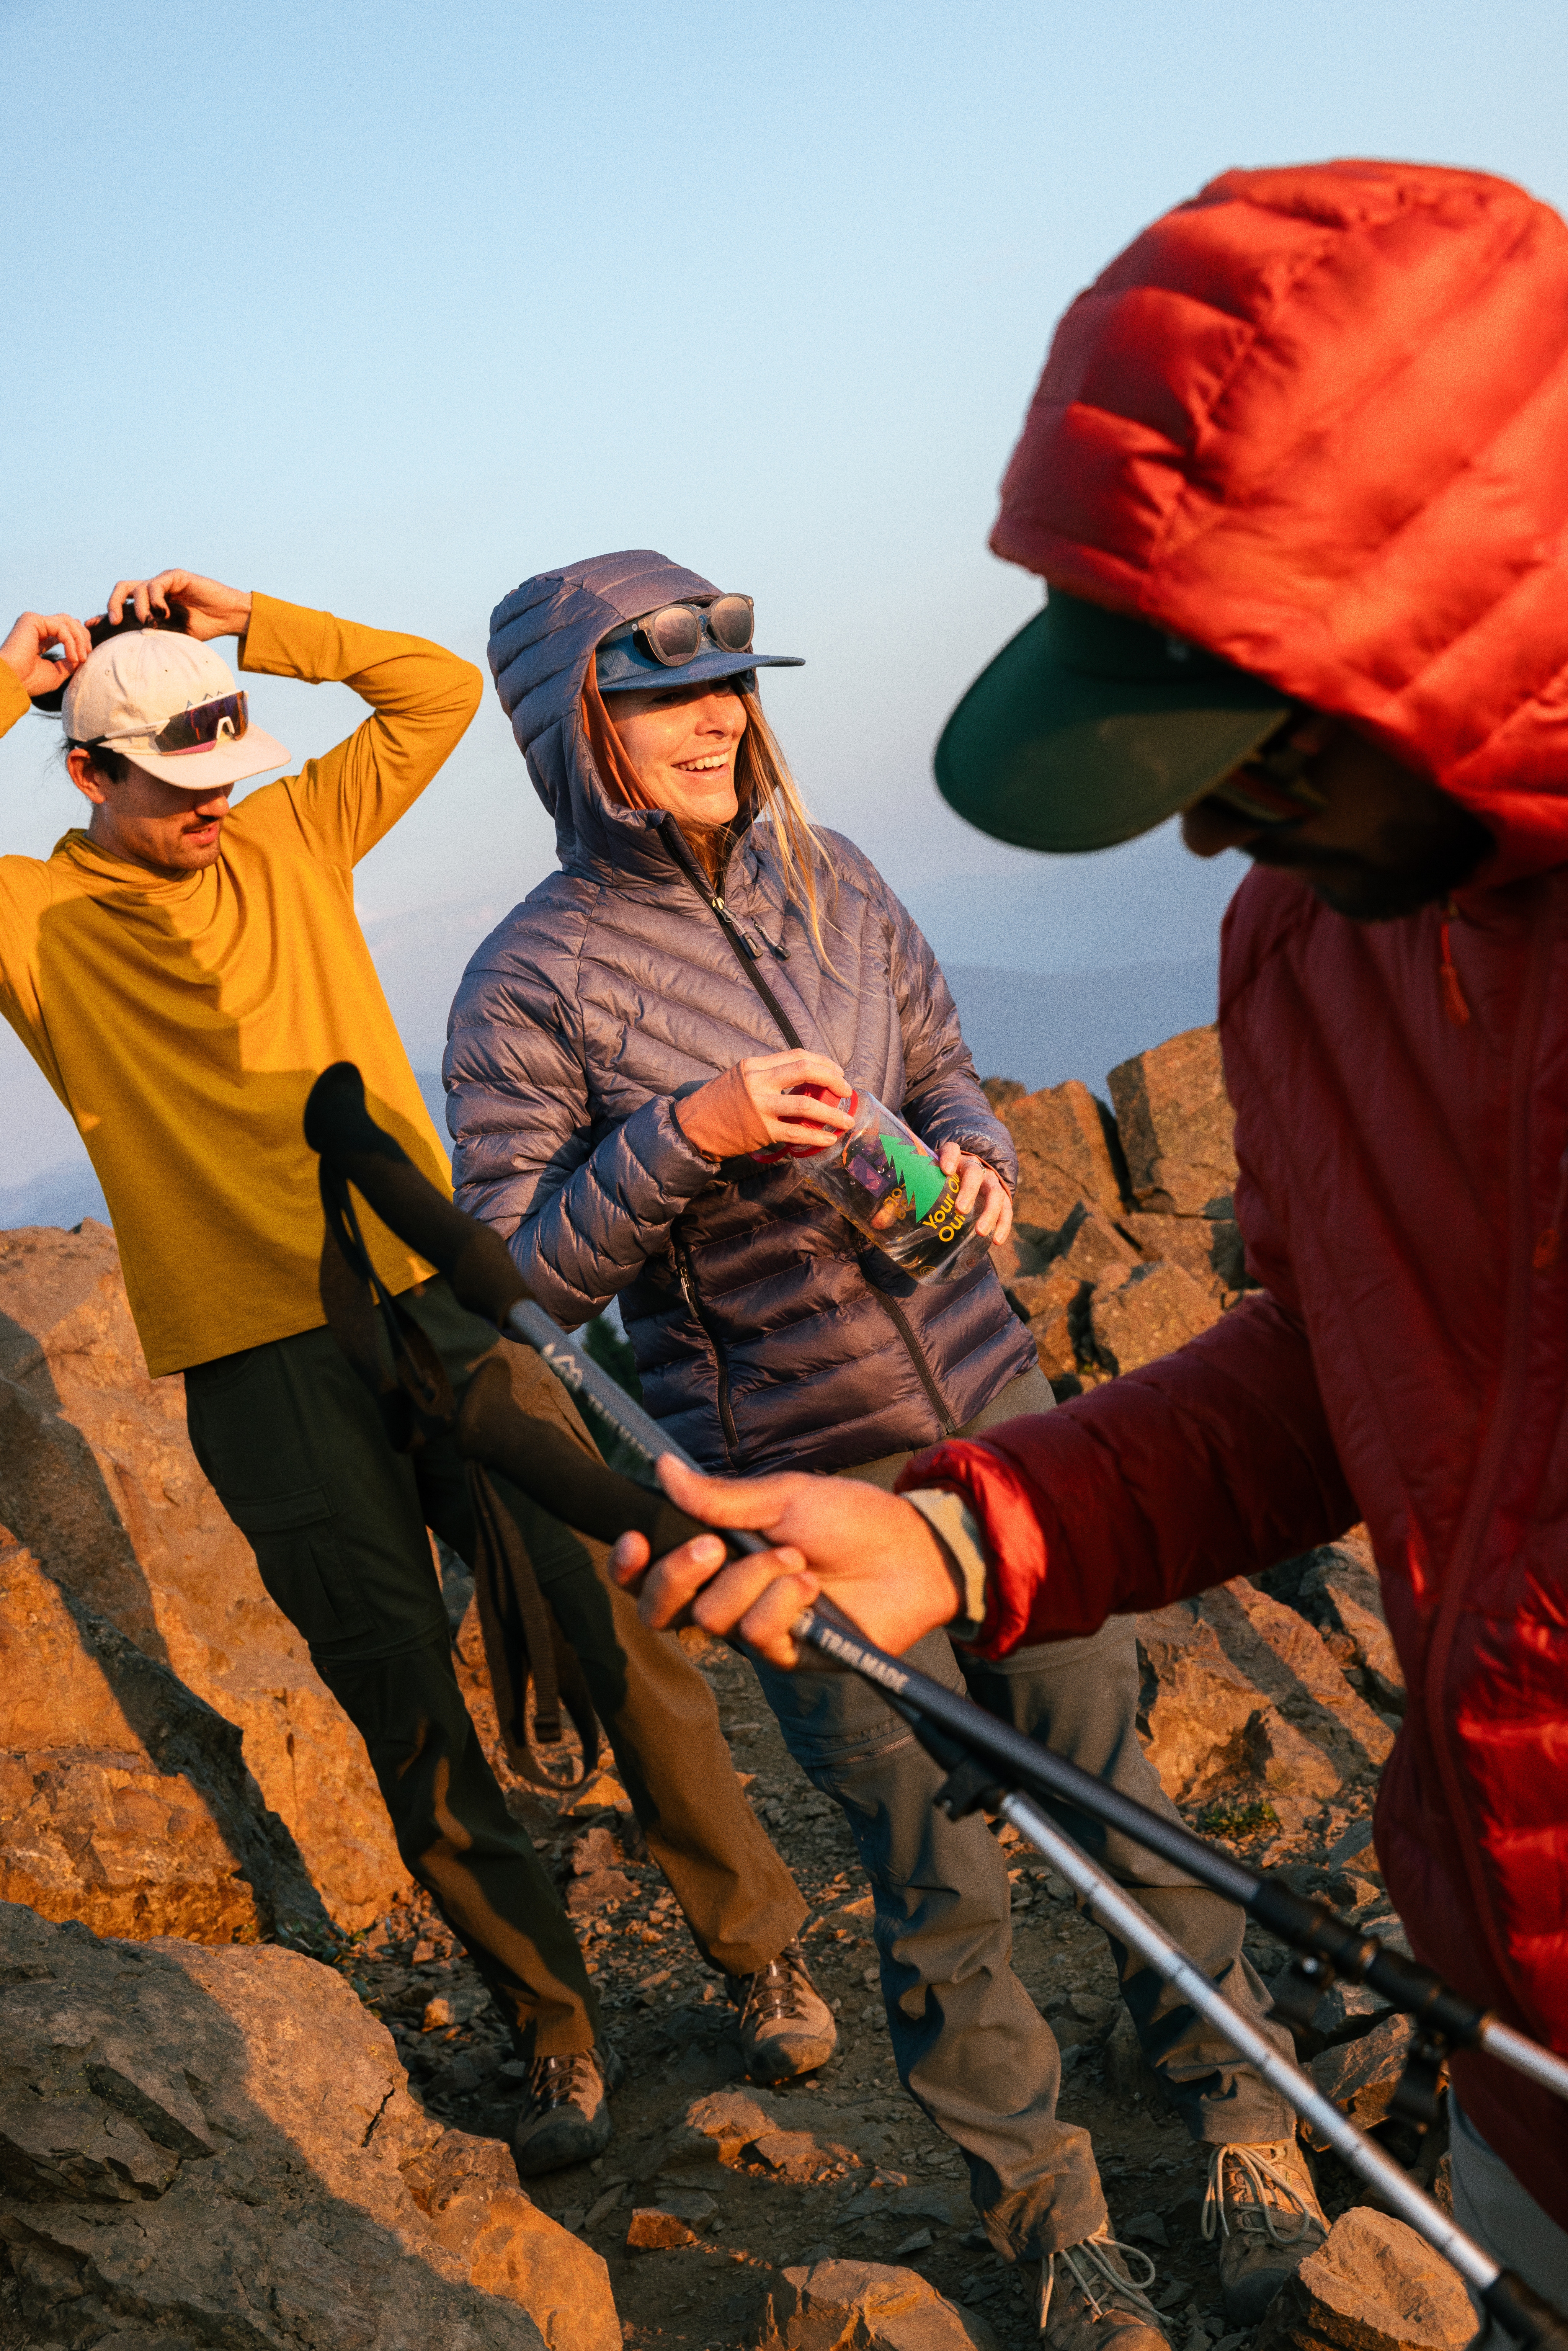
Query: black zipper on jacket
692, 1296
745, 953
915, 1352
746, 957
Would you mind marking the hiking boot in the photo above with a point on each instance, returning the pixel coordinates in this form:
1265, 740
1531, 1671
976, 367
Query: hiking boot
1091, 2299
565, 2116
785, 2026
1262, 2202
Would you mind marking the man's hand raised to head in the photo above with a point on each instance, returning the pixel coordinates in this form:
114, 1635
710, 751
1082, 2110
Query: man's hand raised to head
26, 651
870, 1552
211, 609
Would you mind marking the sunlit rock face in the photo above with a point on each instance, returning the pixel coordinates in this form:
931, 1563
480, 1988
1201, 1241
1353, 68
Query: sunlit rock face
124, 1800
99, 1481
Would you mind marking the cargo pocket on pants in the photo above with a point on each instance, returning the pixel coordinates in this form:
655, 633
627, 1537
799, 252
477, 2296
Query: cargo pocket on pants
302, 1565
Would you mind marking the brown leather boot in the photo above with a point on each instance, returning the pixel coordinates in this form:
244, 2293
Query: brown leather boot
1264, 2208
785, 2026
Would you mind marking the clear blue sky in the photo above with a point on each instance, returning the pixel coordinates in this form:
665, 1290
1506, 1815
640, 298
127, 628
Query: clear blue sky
383, 308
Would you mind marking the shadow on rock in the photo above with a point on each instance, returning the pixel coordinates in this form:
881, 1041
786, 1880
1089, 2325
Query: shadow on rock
206, 2147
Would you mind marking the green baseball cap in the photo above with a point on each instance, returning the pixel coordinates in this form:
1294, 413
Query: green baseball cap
1089, 727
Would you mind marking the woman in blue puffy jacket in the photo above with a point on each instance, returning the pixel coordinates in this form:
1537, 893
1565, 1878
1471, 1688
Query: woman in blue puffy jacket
619, 1056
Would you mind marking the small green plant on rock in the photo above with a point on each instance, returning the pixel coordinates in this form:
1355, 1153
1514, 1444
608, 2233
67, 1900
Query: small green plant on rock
343, 1952
1227, 1816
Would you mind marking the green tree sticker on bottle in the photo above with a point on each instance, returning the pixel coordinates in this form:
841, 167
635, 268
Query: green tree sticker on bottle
921, 1177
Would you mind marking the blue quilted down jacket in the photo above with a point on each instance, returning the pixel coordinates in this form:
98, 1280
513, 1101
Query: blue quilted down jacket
766, 1334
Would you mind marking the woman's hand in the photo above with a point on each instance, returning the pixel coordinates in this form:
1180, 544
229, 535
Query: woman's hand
870, 1551
211, 609
26, 650
979, 1187
751, 1105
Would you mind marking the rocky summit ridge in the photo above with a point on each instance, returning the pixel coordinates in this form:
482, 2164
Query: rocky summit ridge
251, 2093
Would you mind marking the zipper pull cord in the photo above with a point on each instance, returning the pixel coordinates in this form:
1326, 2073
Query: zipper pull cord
732, 928
1454, 1004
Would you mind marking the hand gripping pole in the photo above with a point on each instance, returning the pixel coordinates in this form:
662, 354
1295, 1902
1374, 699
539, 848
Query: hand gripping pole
1010, 1772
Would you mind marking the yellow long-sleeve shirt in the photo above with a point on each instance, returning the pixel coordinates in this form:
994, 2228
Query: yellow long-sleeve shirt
183, 1022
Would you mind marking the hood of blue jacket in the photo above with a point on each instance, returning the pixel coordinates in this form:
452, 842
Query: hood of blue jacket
542, 638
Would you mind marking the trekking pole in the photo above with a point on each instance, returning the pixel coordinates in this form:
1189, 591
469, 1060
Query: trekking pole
480, 1267
981, 1779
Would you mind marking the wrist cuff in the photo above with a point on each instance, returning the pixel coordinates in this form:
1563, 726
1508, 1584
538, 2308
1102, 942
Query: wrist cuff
959, 1531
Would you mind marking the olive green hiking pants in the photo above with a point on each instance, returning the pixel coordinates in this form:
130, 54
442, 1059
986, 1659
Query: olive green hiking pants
294, 1444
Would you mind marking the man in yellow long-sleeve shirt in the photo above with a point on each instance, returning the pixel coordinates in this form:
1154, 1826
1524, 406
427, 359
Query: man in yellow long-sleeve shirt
181, 974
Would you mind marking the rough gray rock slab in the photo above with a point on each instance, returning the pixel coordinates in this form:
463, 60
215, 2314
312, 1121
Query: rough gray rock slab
218, 2148
1194, 1702
1340, 1592
1372, 2286
1092, 1246
1361, 2076
714, 2128
1208, 1248
799, 2154
866, 2306
653, 2229
1285, 1658
1063, 1155
1046, 1302
1241, 1699
1175, 1123
1212, 1732
1147, 1313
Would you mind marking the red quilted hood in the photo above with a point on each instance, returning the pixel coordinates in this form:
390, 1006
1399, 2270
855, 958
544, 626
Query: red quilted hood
1317, 421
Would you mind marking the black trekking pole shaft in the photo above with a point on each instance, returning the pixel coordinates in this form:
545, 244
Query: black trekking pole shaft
1311, 1927
478, 1264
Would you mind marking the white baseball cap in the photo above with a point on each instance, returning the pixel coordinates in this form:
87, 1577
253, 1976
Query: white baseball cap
171, 705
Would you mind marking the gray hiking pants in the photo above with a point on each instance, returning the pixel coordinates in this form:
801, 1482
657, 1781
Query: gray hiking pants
968, 2040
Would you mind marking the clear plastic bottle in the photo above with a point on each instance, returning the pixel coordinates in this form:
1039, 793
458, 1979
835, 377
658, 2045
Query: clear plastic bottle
891, 1188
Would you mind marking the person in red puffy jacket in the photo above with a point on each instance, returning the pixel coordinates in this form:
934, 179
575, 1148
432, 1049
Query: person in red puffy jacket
1296, 476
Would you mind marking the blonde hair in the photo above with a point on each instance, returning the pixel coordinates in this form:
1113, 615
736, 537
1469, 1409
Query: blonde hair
767, 790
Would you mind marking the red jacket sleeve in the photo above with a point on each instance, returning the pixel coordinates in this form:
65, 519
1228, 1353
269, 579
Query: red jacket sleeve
1213, 1462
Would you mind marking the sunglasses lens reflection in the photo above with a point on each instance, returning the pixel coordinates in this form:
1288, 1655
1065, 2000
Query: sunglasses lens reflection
673, 635
208, 723
729, 621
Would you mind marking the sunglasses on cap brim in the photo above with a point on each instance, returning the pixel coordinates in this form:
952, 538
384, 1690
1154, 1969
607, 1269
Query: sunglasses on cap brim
1270, 784
674, 633
223, 720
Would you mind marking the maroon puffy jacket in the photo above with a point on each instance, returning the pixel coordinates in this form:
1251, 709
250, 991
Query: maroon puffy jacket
1317, 421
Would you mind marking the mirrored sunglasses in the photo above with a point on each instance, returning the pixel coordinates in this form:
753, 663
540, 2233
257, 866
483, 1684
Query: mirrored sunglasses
675, 633
224, 719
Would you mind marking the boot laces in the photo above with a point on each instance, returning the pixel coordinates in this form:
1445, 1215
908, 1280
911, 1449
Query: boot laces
1262, 2194
773, 1994
1100, 2283
556, 2081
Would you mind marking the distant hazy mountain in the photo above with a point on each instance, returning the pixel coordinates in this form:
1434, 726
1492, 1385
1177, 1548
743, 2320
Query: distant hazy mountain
1037, 1027
62, 1195
1043, 1026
